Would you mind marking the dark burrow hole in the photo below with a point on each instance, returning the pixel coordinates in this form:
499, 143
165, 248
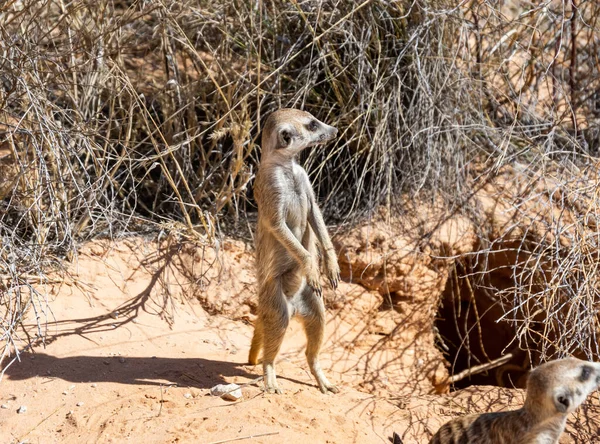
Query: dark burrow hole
469, 334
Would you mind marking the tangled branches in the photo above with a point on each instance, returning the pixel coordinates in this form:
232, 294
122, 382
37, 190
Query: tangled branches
130, 116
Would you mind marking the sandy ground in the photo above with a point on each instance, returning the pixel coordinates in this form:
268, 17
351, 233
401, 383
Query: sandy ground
147, 381
130, 356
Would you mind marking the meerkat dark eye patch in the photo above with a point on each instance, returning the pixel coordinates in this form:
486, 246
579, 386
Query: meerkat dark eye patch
586, 371
313, 125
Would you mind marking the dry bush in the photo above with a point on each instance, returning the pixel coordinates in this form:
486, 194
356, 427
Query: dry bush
138, 116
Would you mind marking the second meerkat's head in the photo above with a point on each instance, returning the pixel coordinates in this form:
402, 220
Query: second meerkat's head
288, 131
559, 387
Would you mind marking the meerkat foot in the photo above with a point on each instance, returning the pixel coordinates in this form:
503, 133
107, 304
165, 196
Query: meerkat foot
270, 379
272, 387
324, 385
325, 389
273, 390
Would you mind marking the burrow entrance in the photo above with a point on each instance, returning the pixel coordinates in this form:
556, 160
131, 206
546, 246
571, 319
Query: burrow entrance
469, 333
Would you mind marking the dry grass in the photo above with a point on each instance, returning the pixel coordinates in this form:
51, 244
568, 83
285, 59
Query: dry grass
121, 116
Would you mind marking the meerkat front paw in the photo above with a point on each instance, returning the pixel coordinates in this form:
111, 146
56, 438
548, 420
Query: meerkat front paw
333, 271
312, 276
313, 282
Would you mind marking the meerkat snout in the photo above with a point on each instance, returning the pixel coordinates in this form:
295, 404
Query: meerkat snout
330, 134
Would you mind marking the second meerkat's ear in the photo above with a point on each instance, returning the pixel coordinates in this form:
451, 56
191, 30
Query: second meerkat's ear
284, 138
563, 401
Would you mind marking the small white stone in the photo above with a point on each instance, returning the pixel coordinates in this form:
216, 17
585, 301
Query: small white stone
94, 385
187, 395
65, 393
22, 409
4, 406
79, 404
230, 392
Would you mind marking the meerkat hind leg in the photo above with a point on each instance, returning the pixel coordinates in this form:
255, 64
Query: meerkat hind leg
311, 309
275, 320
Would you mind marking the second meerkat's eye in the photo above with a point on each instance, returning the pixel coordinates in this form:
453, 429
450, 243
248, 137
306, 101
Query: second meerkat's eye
585, 373
313, 125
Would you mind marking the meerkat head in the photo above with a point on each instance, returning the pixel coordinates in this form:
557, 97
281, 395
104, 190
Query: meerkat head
561, 386
288, 131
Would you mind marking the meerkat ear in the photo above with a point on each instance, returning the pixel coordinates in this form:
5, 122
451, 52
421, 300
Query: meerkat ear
284, 138
563, 401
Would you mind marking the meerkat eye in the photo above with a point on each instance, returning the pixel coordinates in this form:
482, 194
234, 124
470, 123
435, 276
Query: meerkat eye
313, 125
586, 371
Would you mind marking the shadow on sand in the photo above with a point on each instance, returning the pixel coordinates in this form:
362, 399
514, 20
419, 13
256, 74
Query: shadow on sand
190, 372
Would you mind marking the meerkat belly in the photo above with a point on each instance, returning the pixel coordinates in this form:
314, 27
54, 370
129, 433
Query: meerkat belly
297, 215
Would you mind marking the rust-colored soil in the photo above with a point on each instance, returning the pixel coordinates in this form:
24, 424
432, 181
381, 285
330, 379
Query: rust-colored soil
139, 333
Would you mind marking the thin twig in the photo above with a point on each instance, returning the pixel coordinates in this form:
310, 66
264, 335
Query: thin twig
245, 437
20, 439
479, 369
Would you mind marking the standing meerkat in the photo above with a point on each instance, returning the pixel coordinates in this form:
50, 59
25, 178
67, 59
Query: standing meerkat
290, 228
554, 390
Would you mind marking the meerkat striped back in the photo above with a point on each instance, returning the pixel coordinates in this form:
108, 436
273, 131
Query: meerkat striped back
498, 428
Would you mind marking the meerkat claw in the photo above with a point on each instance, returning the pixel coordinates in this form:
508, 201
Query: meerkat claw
333, 389
319, 291
274, 390
316, 287
334, 281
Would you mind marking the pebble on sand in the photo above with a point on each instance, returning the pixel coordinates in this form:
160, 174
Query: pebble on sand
230, 392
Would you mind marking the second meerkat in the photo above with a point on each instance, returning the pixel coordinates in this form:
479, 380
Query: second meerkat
554, 390
290, 229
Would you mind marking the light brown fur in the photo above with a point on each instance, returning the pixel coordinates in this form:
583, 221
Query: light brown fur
290, 229
554, 390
